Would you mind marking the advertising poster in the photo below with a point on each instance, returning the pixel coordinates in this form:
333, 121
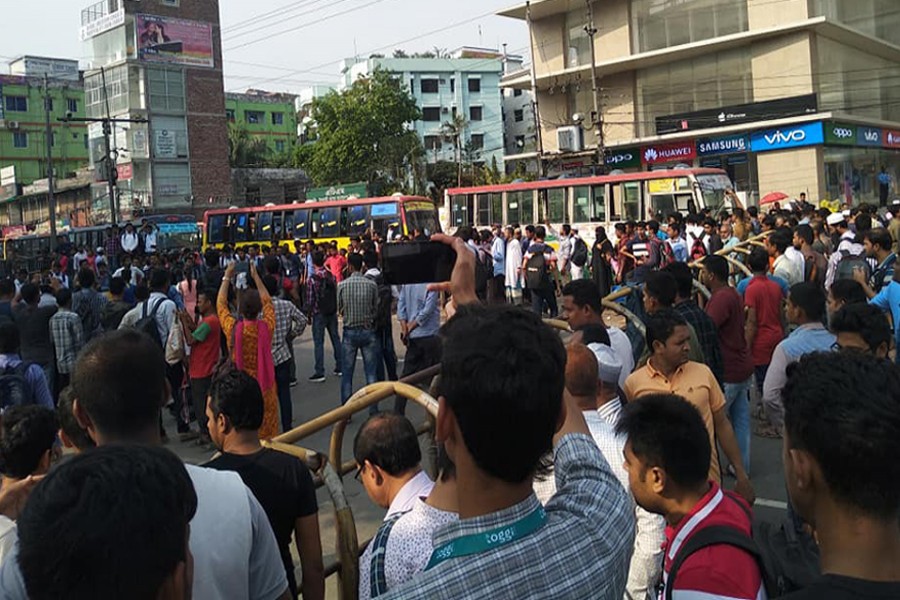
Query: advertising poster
175, 41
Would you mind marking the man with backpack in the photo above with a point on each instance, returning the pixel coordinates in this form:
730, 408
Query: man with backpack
89, 304
321, 307
667, 457
850, 252
384, 325
20, 382
579, 256
536, 264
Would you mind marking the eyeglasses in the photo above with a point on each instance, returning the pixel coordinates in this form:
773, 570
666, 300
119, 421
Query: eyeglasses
359, 470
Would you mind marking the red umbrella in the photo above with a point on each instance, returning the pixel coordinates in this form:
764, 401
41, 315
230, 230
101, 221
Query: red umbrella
773, 197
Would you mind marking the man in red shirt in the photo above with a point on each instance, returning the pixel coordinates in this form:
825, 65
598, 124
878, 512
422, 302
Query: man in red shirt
336, 263
763, 300
667, 457
726, 309
204, 338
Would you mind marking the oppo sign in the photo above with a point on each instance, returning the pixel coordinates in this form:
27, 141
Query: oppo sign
807, 134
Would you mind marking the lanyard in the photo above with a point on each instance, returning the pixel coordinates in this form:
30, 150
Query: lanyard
493, 538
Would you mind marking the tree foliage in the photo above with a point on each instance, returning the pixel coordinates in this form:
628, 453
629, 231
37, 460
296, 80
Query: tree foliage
364, 135
244, 150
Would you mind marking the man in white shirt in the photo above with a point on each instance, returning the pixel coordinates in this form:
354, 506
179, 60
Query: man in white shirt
136, 274
848, 246
388, 460
130, 239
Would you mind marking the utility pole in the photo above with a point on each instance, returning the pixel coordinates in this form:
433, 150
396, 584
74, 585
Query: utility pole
596, 118
534, 96
51, 200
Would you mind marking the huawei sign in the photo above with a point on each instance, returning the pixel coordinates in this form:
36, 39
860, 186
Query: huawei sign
891, 138
669, 153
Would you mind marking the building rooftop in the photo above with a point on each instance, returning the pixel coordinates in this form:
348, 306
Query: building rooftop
262, 96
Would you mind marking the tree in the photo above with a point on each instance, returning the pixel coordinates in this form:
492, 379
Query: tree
398, 53
452, 131
243, 149
364, 134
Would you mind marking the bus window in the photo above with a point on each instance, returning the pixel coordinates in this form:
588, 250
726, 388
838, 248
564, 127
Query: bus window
421, 216
288, 225
264, 227
497, 208
598, 204
527, 207
661, 205
301, 225
631, 200
556, 205
685, 203
483, 202
514, 207
462, 210
277, 229
215, 230
243, 230
357, 220
582, 205
328, 222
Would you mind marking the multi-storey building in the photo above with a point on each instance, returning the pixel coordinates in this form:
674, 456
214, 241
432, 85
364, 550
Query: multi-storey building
268, 116
787, 95
520, 137
466, 85
306, 122
159, 60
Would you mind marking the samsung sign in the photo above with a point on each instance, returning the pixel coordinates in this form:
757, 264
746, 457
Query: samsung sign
722, 145
791, 136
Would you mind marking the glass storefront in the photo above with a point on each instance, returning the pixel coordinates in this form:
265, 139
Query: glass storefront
741, 169
855, 82
664, 23
878, 18
851, 174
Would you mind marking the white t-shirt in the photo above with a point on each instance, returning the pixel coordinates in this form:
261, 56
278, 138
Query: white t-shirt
408, 547
8, 536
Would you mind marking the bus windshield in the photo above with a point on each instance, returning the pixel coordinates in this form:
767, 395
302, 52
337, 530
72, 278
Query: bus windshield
713, 189
425, 221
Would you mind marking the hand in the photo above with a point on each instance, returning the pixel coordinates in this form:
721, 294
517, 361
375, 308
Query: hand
859, 275
14, 495
253, 273
744, 488
229, 270
462, 281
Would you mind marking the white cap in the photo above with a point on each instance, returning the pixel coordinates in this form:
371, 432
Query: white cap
835, 218
846, 212
100, 249
609, 367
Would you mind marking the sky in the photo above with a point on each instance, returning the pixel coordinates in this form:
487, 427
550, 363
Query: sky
302, 42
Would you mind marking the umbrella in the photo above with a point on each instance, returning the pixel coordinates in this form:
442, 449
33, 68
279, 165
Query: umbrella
773, 197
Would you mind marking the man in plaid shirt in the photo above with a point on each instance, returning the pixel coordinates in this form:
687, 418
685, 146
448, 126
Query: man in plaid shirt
501, 410
113, 247
67, 335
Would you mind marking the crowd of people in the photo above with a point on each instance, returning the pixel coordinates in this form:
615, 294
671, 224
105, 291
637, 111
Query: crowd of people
606, 460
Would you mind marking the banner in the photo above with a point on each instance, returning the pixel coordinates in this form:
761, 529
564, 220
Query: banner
793, 136
176, 41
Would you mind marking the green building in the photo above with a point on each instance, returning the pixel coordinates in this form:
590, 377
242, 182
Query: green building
268, 116
23, 135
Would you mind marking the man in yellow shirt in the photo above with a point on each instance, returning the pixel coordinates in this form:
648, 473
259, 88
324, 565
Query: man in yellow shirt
669, 371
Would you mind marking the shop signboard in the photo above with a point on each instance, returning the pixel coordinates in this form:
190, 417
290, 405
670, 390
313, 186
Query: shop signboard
622, 158
890, 138
337, 192
166, 146
868, 136
789, 136
840, 134
728, 144
103, 24
669, 153
175, 41
742, 113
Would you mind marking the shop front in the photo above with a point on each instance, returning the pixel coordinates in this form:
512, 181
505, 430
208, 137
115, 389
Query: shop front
862, 164
731, 153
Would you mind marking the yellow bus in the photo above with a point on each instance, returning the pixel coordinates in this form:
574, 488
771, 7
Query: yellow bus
322, 222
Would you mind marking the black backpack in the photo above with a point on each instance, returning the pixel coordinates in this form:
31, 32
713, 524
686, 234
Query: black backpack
484, 270
786, 562
536, 275
14, 387
385, 300
326, 295
147, 323
849, 262
580, 253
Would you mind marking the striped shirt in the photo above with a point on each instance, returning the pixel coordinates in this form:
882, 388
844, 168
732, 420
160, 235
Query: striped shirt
68, 338
89, 304
286, 314
357, 298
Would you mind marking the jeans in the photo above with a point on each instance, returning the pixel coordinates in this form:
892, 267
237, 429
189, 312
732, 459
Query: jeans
760, 371
199, 393
421, 353
283, 381
359, 339
737, 405
541, 295
181, 410
388, 360
320, 324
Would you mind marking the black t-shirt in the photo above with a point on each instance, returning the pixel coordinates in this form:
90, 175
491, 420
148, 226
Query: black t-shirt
837, 587
284, 488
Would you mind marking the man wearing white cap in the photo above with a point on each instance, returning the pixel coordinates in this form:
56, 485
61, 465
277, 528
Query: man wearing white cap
848, 246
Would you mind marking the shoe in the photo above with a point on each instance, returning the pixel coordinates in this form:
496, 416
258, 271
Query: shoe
294, 383
336, 373
316, 378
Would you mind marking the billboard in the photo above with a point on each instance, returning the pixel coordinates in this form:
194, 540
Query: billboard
174, 41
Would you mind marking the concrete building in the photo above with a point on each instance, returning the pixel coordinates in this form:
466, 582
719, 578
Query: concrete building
258, 187
467, 84
306, 122
268, 116
786, 95
160, 61
520, 137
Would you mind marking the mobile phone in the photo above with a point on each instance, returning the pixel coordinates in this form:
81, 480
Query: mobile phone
417, 262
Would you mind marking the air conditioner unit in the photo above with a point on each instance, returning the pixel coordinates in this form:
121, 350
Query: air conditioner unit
12, 124
444, 109
569, 139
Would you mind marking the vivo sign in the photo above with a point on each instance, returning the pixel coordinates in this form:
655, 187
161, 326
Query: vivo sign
787, 137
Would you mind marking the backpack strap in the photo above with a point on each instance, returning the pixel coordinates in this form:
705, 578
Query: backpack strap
713, 535
377, 574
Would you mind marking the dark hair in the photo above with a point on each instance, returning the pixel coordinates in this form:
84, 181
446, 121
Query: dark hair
116, 286
844, 409
159, 279
594, 333
68, 423
26, 434
863, 224
64, 297
271, 285
211, 257
848, 291
486, 376
717, 266
880, 236
71, 542
370, 259
86, 278
30, 293
237, 395
355, 261
661, 325
810, 298
684, 279
758, 261
388, 441
540, 231
318, 258
141, 293
653, 225
666, 431
120, 381
465, 233
9, 338
7, 287
529, 228
251, 304
584, 292
781, 239
661, 286
272, 265
805, 233
866, 320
